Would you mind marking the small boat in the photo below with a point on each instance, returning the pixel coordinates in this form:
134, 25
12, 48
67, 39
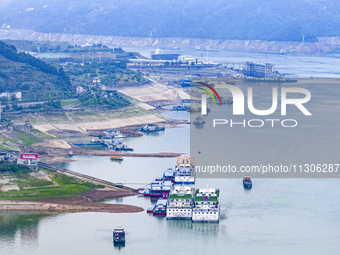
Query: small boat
146, 193
160, 208
150, 209
199, 121
118, 236
143, 191
247, 184
116, 158
151, 128
181, 108
70, 154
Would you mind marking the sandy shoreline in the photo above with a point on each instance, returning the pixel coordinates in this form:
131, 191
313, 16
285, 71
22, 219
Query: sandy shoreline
82, 203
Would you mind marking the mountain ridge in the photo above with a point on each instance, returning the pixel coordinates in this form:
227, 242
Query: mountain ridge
270, 20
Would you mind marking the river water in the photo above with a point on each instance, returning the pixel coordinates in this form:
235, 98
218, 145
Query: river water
278, 216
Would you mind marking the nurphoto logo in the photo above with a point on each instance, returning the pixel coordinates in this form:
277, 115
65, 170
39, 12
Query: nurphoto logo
239, 105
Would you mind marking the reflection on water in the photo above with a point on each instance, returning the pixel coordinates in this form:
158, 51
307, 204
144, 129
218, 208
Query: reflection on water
23, 223
175, 225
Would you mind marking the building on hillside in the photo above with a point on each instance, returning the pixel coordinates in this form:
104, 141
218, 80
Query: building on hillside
18, 95
96, 81
29, 159
79, 90
25, 127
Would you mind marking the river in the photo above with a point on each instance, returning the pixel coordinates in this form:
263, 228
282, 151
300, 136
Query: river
278, 216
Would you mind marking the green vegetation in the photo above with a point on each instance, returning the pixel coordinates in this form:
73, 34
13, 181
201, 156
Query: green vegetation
29, 75
113, 100
109, 72
51, 105
5, 148
66, 103
13, 168
60, 186
27, 139
277, 20
42, 134
39, 46
26, 73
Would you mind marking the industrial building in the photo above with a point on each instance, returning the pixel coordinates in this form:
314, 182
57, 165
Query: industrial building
159, 55
260, 70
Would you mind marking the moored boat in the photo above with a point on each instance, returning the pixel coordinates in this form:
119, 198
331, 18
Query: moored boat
247, 183
160, 207
184, 171
150, 209
159, 187
206, 205
169, 175
152, 128
180, 203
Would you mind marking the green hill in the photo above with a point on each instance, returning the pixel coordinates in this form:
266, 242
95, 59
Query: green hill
25, 73
288, 20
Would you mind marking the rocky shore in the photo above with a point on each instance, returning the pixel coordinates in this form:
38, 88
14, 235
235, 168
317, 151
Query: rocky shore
324, 44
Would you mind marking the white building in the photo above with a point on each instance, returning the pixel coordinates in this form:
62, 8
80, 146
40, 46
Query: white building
29, 159
96, 80
79, 90
18, 95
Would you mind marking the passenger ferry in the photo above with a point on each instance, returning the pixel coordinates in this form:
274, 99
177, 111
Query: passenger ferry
206, 205
184, 173
159, 187
180, 202
118, 236
169, 175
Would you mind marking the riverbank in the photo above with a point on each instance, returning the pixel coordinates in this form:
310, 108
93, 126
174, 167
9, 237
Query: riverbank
82, 203
324, 44
46, 190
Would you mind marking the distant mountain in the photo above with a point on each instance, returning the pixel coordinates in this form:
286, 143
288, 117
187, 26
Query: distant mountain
25, 73
279, 20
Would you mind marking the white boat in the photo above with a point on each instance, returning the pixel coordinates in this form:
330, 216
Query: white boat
180, 203
184, 171
206, 205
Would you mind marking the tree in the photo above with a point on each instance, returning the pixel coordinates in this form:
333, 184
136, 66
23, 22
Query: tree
14, 98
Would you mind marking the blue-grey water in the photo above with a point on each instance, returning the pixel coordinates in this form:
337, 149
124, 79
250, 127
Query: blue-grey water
278, 216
